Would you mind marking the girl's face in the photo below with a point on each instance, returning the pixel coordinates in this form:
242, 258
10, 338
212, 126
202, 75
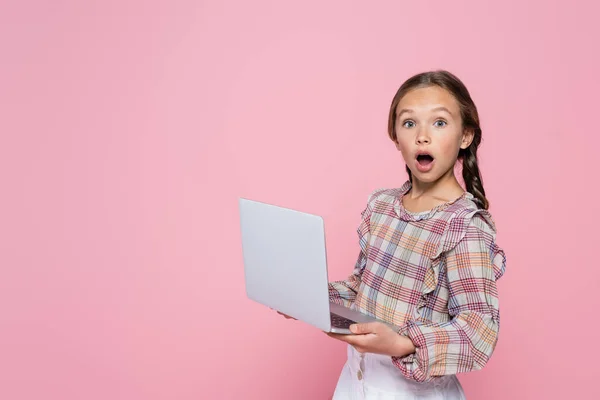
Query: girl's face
429, 132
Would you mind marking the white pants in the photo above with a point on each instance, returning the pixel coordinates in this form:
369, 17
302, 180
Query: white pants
374, 377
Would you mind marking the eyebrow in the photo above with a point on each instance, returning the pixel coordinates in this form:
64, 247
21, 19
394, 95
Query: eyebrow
407, 110
442, 109
403, 111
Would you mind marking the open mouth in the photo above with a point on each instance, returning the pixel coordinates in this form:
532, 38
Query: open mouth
424, 159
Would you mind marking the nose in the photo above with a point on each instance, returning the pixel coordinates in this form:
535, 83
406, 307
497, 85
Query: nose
423, 137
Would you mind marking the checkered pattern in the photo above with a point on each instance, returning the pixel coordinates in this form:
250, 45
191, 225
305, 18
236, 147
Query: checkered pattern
433, 275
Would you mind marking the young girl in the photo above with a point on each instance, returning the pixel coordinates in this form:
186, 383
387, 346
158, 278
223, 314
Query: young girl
429, 261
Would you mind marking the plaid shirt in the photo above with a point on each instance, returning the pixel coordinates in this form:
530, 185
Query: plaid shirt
432, 274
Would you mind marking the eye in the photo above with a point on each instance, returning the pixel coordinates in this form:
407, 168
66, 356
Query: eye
408, 124
440, 123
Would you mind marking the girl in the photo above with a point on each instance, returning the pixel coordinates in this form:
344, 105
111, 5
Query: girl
429, 261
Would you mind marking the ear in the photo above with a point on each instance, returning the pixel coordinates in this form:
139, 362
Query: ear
397, 145
467, 138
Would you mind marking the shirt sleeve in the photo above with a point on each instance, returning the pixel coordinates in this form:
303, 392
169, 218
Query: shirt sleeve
344, 292
466, 342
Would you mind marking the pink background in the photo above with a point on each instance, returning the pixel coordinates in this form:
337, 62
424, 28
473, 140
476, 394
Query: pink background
130, 128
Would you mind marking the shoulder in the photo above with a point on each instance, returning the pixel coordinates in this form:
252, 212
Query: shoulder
380, 201
464, 215
387, 195
463, 219
384, 195
477, 228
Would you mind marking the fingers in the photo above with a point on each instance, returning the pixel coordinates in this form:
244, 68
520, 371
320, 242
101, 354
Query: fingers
286, 316
353, 340
361, 329
343, 338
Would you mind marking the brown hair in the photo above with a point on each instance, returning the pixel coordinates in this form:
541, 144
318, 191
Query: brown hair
470, 120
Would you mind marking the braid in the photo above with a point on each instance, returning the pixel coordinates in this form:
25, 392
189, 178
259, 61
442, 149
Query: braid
472, 176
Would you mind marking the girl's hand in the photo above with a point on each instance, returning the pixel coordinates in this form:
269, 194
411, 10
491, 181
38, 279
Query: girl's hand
286, 316
376, 337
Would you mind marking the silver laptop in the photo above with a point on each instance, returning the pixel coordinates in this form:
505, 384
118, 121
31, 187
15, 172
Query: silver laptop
285, 266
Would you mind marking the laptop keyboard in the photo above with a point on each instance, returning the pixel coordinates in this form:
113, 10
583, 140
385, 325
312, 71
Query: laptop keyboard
338, 321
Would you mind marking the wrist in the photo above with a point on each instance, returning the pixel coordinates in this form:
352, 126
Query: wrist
404, 346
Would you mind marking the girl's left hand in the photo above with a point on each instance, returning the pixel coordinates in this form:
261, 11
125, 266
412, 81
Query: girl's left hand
376, 337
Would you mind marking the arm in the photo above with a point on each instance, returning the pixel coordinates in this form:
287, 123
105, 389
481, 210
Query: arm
466, 342
344, 292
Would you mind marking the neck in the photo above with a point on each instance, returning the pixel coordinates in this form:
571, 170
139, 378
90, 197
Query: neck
446, 188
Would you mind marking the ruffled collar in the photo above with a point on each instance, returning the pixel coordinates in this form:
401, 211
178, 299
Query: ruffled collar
406, 215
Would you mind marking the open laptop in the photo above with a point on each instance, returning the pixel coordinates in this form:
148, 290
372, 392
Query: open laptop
285, 266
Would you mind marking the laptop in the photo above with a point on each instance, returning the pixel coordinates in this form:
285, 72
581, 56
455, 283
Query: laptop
285, 266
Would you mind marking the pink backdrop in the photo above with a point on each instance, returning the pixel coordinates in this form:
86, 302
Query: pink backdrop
129, 129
